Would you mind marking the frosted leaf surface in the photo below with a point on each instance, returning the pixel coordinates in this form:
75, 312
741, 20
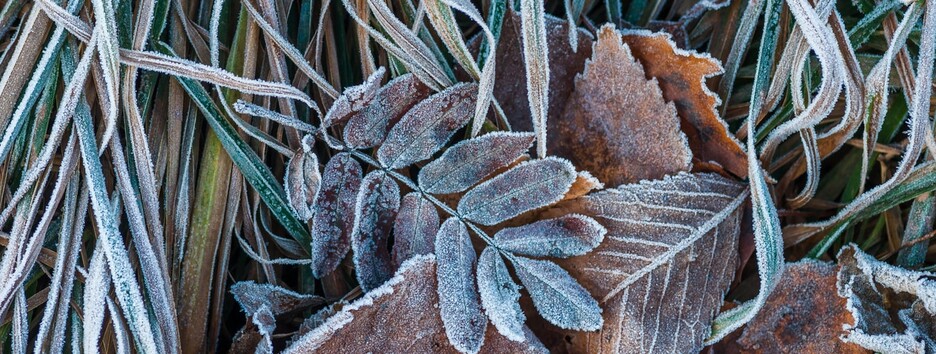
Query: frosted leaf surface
500, 295
529, 185
377, 205
353, 99
565, 236
400, 317
302, 180
467, 162
557, 296
252, 296
668, 257
334, 213
368, 127
428, 126
894, 308
414, 229
459, 303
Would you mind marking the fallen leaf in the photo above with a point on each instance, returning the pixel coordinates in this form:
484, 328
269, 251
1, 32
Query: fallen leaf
682, 76
400, 317
252, 296
666, 262
302, 179
802, 315
894, 308
616, 124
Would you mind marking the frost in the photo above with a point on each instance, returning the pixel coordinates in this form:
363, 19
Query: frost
536, 61
467, 162
557, 296
369, 126
459, 303
334, 213
529, 185
414, 229
565, 236
376, 208
500, 295
278, 300
428, 126
302, 180
354, 99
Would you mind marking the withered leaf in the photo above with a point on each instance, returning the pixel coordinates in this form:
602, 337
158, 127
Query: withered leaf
894, 308
302, 180
369, 126
467, 162
681, 75
397, 318
428, 126
666, 261
527, 186
557, 296
565, 236
414, 229
459, 303
353, 99
252, 296
802, 315
500, 295
334, 213
374, 213
616, 124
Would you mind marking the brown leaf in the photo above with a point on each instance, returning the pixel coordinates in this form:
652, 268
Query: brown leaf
667, 259
616, 124
334, 213
681, 75
369, 126
802, 315
400, 317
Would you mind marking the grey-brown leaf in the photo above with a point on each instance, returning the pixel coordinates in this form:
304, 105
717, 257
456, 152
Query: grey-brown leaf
368, 127
500, 295
467, 162
353, 100
376, 208
302, 180
334, 213
414, 229
459, 303
252, 296
565, 236
557, 296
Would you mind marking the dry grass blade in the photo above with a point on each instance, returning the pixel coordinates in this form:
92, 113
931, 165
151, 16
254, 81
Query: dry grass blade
536, 60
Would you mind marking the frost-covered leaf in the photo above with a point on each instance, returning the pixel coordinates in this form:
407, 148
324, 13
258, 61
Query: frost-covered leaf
682, 77
616, 123
414, 229
400, 317
801, 316
302, 180
376, 208
894, 308
353, 100
529, 185
459, 304
252, 296
368, 127
668, 257
565, 236
334, 213
500, 295
428, 126
467, 162
557, 296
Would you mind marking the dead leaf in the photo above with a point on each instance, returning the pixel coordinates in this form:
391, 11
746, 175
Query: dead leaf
894, 308
334, 213
801, 316
616, 124
667, 259
682, 76
400, 317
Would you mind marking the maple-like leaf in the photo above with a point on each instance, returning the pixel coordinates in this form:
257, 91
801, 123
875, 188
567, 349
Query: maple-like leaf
399, 317
616, 123
894, 308
667, 259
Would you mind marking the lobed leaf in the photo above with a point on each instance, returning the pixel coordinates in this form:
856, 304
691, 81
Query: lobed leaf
427, 126
500, 295
529, 185
334, 212
414, 229
377, 203
467, 162
562, 237
557, 296
368, 127
459, 304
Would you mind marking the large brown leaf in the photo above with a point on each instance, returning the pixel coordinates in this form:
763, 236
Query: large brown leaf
667, 259
400, 317
616, 124
682, 75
